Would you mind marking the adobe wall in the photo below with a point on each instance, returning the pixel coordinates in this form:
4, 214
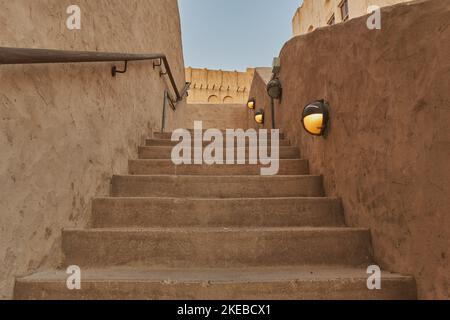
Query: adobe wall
316, 13
66, 129
218, 86
258, 91
388, 149
217, 116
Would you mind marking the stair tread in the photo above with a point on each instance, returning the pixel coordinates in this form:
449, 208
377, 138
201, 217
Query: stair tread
314, 199
165, 152
167, 167
222, 130
306, 273
174, 176
247, 164
220, 229
247, 143
256, 283
168, 135
215, 186
209, 141
169, 139
235, 147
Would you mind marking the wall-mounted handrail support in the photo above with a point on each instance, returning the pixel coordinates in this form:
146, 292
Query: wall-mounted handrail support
159, 64
115, 71
35, 56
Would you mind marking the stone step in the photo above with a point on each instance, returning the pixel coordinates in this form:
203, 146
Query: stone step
217, 186
246, 212
300, 283
166, 152
168, 135
166, 167
216, 247
169, 143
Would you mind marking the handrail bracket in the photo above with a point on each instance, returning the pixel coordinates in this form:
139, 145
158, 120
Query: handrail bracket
159, 64
115, 71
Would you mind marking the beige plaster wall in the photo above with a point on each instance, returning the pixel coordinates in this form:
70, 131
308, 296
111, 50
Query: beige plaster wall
65, 129
313, 14
218, 86
218, 116
258, 91
388, 149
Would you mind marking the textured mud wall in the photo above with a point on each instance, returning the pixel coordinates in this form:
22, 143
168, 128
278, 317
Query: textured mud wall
316, 13
219, 116
65, 129
258, 91
388, 150
217, 86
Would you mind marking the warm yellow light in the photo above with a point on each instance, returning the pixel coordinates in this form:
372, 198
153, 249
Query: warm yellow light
315, 118
259, 118
251, 105
314, 123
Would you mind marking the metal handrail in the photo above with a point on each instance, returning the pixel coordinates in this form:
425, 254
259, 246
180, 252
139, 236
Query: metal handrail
35, 56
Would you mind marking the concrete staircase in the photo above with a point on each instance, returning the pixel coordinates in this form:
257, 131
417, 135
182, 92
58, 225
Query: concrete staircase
216, 232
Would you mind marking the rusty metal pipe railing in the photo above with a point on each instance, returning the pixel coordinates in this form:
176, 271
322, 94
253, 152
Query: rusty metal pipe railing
35, 56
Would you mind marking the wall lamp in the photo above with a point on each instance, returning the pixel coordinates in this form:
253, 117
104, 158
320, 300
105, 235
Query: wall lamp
274, 89
259, 116
315, 117
251, 104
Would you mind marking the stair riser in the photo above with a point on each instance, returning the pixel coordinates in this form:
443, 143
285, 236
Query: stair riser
217, 187
151, 167
336, 289
166, 153
112, 213
168, 135
202, 248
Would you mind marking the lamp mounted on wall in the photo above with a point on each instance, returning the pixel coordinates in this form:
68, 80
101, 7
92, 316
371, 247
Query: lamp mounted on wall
251, 104
274, 89
259, 116
315, 117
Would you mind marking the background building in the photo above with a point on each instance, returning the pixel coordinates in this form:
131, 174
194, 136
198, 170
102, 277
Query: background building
217, 86
313, 14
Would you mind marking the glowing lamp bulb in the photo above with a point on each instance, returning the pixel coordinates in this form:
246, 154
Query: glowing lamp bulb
259, 117
251, 104
315, 118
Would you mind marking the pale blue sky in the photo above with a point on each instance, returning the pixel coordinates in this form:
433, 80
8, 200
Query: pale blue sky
235, 34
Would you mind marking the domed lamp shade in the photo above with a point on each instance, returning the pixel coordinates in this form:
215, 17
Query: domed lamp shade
251, 104
315, 117
274, 89
259, 117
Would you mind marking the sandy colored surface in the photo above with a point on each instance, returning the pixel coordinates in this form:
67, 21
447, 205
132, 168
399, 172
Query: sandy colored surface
317, 13
258, 91
307, 282
218, 116
237, 212
244, 223
388, 150
218, 86
66, 129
